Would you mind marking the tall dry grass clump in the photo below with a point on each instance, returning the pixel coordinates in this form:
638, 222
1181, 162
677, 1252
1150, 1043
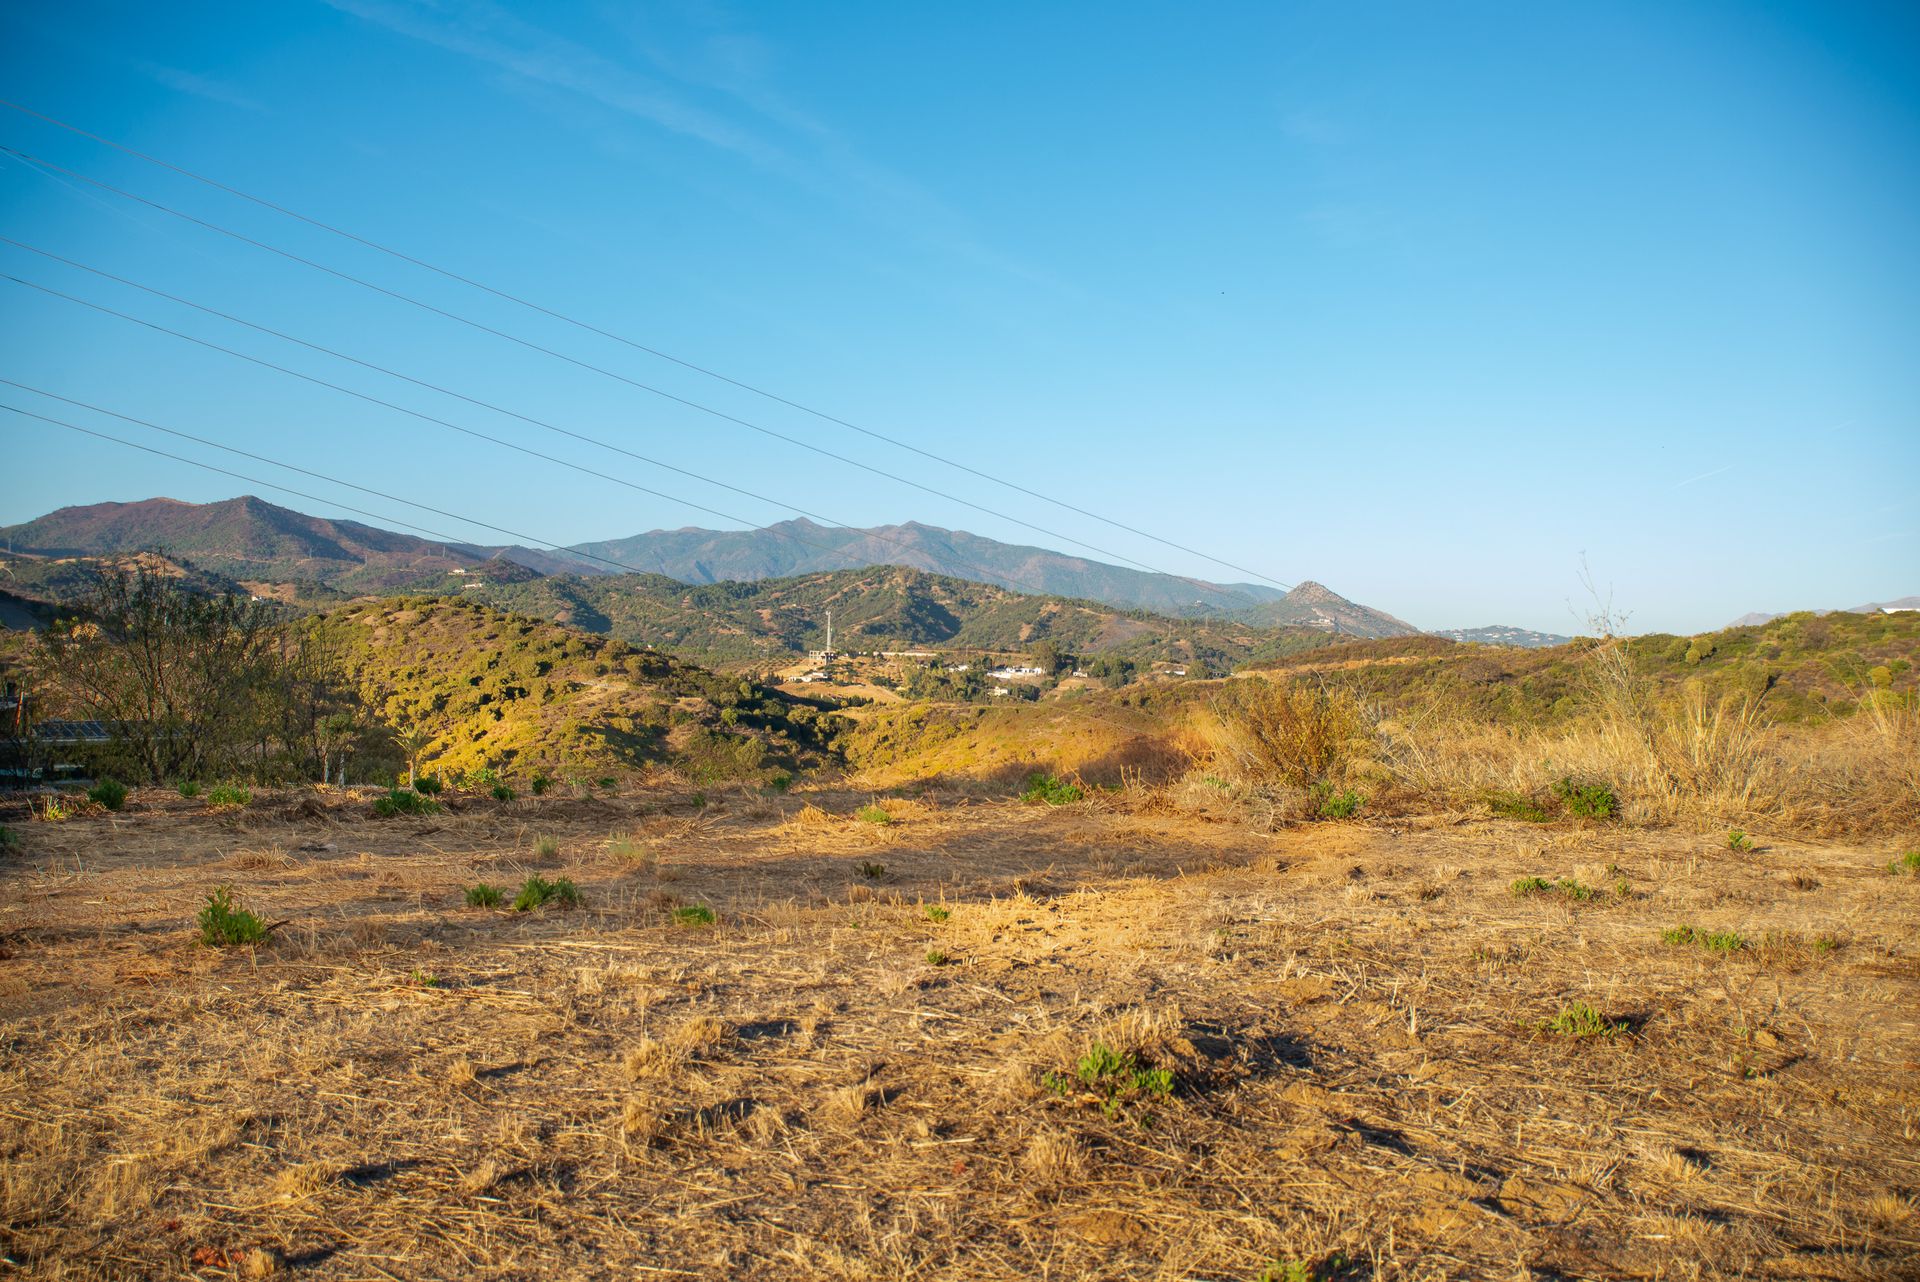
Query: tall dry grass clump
1688, 758
1298, 734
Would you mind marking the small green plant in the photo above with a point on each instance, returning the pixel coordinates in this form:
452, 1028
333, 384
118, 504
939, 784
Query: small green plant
874, 815
1286, 1271
484, 896
937, 958
1906, 863
1739, 842
404, 801
609, 783
872, 871
1329, 804
539, 785
502, 793
1588, 800
779, 783
936, 914
428, 785
110, 793
698, 800
1043, 789
425, 979
1714, 941
1302, 1270
1531, 886
545, 848
1573, 889
1581, 1020
1115, 1079
538, 892
228, 794
693, 915
223, 924
189, 789
1513, 805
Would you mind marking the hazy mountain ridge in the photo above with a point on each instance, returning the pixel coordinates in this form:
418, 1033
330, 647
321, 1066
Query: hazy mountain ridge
1756, 618
1503, 634
800, 546
252, 541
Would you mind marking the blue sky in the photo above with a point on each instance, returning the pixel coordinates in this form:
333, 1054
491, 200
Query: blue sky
1423, 302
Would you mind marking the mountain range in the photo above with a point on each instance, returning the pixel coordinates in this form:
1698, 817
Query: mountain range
278, 551
1757, 617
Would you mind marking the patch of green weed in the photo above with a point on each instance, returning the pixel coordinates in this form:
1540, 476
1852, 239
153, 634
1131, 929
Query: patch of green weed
537, 892
1043, 789
1581, 1020
1588, 800
224, 924
484, 896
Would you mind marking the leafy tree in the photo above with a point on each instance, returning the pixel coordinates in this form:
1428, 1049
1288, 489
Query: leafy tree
177, 674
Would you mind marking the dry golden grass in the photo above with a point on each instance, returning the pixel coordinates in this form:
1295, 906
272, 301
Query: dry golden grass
1351, 1015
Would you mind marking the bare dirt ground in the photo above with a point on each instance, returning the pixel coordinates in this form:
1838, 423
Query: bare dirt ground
846, 1074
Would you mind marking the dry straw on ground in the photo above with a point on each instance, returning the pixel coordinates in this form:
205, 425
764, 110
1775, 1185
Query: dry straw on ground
1355, 1020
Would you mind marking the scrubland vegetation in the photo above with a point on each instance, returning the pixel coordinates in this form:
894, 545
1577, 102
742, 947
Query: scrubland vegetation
1597, 963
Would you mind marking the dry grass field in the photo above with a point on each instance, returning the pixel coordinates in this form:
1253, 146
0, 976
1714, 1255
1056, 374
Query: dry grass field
1112, 1039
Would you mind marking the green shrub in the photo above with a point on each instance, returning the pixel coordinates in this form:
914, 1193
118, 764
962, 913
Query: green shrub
937, 958
936, 914
1907, 862
1114, 1078
693, 915
1513, 805
779, 783
609, 783
110, 793
428, 785
502, 793
538, 892
189, 789
874, 815
539, 785
225, 925
1581, 1020
484, 896
1531, 886
1329, 804
1049, 790
1588, 800
403, 801
228, 794
1739, 841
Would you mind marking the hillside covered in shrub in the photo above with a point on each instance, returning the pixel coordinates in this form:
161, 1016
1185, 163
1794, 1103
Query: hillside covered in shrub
518, 696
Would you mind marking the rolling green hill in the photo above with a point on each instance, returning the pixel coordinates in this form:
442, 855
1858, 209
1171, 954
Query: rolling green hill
877, 608
518, 696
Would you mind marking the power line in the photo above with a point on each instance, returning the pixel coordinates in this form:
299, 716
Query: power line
250, 480
530, 345
512, 445
632, 343
318, 476
433, 387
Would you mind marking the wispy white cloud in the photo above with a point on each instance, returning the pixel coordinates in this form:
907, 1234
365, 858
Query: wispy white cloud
1704, 475
745, 114
199, 86
489, 34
